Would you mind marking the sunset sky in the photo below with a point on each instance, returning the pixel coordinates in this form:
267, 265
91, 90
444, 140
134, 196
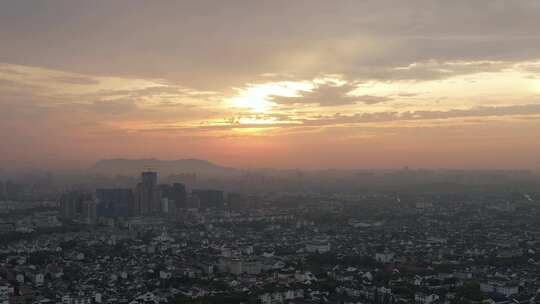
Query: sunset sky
285, 84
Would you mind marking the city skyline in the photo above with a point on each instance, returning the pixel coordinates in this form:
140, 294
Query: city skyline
307, 84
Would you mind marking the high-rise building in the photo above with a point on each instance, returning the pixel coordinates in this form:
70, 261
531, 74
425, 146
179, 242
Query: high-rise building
178, 194
137, 208
3, 192
72, 204
88, 211
167, 203
149, 178
148, 198
237, 201
187, 179
210, 199
114, 202
13, 190
175, 196
193, 201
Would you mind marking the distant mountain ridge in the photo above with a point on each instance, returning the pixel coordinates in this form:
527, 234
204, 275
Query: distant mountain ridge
122, 166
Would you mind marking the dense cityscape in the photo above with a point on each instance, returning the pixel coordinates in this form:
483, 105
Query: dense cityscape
270, 152
172, 243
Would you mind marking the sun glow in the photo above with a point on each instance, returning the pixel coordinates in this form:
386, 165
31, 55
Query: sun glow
258, 97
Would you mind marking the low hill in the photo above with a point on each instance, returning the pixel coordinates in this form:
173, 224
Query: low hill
164, 167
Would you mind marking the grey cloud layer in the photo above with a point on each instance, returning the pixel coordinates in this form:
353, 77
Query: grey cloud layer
527, 111
330, 95
216, 44
482, 111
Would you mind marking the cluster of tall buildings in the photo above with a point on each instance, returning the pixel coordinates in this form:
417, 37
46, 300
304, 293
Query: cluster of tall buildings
78, 205
147, 198
147, 195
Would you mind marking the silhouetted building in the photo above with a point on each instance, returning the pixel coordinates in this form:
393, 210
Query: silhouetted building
237, 201
74, 205
192, 201
187, 179
147, 200
114, 202
173, 197
179, 193
2, 190
89, 211
167, 203
12, 190
210, 199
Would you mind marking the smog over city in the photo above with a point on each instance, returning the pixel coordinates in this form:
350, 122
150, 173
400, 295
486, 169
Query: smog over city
273, 152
